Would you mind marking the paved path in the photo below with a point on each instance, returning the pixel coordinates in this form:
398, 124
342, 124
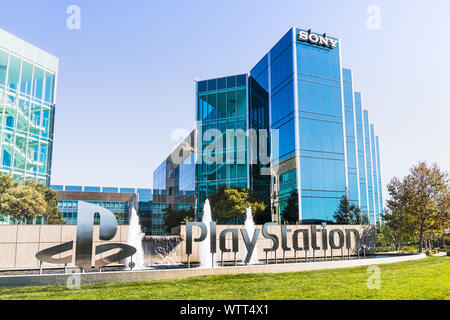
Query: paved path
440, 254
147, 275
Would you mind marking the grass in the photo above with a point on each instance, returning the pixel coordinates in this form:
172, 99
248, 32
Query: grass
423, 279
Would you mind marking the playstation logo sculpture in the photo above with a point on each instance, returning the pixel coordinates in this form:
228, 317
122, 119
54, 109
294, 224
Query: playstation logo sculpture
84, 241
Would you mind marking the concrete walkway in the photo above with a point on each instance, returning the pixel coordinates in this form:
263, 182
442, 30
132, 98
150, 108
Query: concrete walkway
440, 254
148, 275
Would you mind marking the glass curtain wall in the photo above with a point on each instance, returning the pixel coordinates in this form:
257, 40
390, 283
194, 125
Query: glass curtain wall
363, 190
185, 182
221, 109
26, 117
69, 210
259, 153
380, 187
274, 74
321, 126
374, 174
369, 172
350, 131
159, 200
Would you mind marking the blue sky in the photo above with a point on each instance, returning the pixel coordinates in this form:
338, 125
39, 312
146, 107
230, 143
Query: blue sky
127, 76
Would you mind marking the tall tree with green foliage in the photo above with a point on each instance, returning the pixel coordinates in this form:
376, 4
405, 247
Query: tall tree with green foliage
7, 182
27, 200
232, 203
51, 215
22, 203
419, 204
347, 213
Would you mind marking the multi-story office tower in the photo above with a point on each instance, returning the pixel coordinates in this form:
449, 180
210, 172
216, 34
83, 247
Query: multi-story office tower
174, 184
222, 108
27, 108
304, 84
321, 144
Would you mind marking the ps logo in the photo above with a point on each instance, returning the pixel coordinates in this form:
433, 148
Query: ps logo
84, 240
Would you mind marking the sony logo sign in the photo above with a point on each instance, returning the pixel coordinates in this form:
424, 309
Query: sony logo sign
312, 38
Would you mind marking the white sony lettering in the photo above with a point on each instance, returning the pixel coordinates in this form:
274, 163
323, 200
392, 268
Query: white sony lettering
313, 38
333, 42
316, 39
323, 41
303, 36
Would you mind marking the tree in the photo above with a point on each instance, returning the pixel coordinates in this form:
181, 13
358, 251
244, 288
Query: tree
389, 235
23, 200
365, 219
290, 213
419, 204
22, 203
347, 213
51, 215
173, 218
6, 182
232, 203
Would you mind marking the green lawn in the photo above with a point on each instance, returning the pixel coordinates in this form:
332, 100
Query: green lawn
427, 278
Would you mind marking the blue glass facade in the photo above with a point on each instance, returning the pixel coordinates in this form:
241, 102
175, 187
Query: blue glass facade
321, 125
174, 184
27, 107
321, 145
369, 171
275, 73
159, 200
380, 186
69, 210
222, 108
350, 133
185, 180
119, 201
363, 191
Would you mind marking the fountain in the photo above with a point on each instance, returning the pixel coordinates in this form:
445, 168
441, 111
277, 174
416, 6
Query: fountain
135, 239
151, 250
206, 260
250, 227
162, 250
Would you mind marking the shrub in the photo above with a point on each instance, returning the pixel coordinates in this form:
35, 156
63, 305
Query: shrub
383, 249
410, 249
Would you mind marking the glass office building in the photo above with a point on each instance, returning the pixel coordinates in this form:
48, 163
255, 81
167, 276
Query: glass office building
27, 108
222, 107
174, 184
321, 143
119, 201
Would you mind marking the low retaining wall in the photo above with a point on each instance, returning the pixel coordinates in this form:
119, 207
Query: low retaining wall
149, 275
20, 243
